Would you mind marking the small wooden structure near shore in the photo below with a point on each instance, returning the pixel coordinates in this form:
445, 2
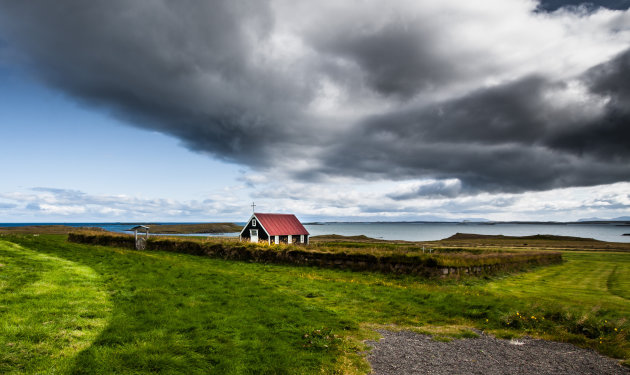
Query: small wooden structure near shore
274, 228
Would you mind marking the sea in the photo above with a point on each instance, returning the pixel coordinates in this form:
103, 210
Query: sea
419, 231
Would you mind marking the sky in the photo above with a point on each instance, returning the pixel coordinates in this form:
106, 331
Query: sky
117, 111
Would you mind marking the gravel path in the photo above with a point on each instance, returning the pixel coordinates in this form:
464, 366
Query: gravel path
406, 352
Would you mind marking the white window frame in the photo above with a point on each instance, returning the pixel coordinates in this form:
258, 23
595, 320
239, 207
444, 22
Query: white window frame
301, 238
276, 240
253, 222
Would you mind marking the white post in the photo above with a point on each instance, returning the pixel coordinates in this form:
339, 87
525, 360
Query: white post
135, 233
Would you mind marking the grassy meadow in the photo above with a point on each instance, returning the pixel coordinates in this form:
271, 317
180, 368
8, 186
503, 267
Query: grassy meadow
73, 308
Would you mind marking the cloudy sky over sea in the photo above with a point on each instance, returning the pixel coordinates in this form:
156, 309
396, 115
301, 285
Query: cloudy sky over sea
333, 110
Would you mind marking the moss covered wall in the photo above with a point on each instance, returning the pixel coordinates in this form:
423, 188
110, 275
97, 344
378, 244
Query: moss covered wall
420, 264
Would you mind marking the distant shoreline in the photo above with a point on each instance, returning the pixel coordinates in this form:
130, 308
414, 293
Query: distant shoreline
203, 228
465, 222
621, 223
389, 230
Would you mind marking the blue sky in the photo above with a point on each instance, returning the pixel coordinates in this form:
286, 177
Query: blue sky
519, 119
51, 141
55, 140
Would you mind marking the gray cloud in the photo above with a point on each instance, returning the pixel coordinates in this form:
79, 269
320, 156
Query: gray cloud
436, 189
551, 5
608, 138
33, 207
216, 76
182, 68
67, 202
504, 138
398, 58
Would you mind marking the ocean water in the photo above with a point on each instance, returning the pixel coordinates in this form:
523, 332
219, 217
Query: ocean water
438, 231
120, 227
419, 231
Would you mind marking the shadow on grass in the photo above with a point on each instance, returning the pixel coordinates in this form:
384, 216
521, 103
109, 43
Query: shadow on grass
50, 309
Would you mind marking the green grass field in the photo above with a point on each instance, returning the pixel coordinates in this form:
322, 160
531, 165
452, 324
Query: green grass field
71, 308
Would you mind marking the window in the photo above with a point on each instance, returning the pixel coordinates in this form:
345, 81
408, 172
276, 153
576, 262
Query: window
253, 222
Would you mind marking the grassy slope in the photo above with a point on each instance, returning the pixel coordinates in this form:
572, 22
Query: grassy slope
180, 313
532, 242
587, 278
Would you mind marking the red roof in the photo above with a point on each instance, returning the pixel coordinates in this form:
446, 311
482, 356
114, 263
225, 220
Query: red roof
281, 224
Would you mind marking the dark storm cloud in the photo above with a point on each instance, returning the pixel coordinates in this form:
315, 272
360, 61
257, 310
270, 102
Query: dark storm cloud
607, 138
212, 74
395, 58
551, 5
505, 138
184, 68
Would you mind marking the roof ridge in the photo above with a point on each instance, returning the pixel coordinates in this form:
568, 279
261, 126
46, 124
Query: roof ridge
271, 213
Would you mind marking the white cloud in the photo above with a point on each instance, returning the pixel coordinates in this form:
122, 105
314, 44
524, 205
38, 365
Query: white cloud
52, 204
358, 200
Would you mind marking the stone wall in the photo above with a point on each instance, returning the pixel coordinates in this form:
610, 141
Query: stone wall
426, 265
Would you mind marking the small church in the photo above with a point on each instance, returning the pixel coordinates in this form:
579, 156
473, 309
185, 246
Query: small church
274, 228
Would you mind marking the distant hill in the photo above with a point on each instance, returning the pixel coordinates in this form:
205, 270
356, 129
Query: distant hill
48, 229
194, 228
620, 218
414, 219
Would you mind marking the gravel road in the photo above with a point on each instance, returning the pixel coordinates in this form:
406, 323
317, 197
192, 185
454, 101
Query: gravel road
411, 353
